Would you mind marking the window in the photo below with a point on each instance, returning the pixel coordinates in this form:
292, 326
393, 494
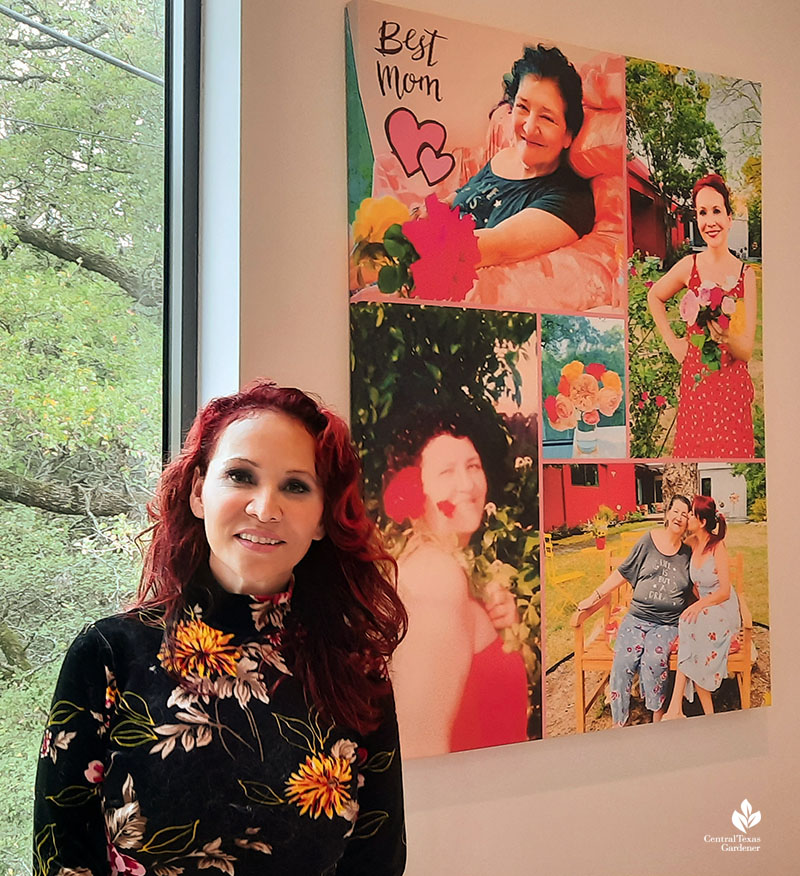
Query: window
584, 475
84, 302
705, 486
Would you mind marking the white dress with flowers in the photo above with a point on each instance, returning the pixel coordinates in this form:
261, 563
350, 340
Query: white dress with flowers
715, 412
703, 645
230, 772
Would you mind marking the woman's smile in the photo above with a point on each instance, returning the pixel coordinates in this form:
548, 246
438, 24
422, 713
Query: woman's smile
260, 501
713, 220
454, 485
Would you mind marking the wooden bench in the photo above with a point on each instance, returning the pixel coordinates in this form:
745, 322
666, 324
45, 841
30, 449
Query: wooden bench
594, 654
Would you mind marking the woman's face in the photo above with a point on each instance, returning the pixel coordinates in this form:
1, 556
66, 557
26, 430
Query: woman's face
677, 518
694, 524
454, 485
713, 220
540, 125
260, 501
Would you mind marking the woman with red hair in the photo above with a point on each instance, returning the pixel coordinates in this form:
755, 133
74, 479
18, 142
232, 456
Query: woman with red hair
715, 417
239, 716
707, 627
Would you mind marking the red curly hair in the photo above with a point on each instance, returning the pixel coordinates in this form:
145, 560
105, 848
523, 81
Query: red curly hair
346, 617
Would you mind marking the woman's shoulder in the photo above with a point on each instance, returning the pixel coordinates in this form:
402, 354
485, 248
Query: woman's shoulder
433, 572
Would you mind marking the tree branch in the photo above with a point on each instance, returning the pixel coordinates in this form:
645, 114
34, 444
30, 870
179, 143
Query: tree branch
97, 262
66, 498
45, 45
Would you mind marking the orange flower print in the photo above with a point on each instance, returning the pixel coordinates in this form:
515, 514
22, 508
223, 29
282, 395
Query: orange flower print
200, 650
321, 785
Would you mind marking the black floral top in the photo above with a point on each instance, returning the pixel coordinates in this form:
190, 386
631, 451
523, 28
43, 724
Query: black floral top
139, 775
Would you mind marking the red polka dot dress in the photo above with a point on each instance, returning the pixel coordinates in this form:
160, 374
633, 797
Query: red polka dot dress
715, 414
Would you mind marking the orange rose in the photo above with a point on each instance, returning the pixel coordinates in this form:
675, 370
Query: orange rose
561, 413
573, 370
608, 400
611, 380
584, 392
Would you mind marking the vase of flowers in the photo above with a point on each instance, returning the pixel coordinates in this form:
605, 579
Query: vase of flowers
585, 394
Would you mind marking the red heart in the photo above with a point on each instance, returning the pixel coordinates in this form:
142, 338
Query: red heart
407, 137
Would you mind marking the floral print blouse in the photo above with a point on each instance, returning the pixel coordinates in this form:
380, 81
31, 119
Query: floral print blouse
237, 775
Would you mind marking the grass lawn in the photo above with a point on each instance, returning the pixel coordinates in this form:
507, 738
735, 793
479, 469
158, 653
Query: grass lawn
577, 555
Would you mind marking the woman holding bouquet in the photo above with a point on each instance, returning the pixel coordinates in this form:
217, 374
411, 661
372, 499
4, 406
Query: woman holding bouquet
719, 307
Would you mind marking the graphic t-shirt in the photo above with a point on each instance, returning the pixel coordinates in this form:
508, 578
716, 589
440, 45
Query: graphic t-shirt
661, 584
564, 194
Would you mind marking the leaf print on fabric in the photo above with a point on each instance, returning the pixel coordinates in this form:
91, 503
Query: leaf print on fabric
199, 650
52, 744
74, 871
369, 823
45, 849
380, 761
190, 736
137, 725
72, 795
273, 612
171, 840
63, 712
248, 683
258, 792
252, 842
125, 825
321, 785
268, 654
213, 856
306, 735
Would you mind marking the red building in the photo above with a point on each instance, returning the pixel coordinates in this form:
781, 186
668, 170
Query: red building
646, 232
571, 494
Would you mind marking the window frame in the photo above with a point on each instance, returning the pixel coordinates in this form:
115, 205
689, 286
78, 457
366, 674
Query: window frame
181, 220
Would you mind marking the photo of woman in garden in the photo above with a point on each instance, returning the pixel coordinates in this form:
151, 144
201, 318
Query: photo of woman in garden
719, 309
444, 412
708, 626
239, 716
694, 268
456, 686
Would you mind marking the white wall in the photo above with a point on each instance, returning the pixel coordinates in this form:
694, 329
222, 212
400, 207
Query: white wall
633, 801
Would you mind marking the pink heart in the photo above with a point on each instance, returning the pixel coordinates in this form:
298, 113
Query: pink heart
435, 167
407, 137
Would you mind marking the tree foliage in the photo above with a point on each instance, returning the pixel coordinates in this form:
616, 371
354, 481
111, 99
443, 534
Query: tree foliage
81, 141
669, 128
81, 216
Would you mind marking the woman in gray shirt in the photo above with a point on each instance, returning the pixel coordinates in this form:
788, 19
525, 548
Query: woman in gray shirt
658, 570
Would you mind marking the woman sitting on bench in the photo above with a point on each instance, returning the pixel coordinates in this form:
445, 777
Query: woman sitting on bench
658, 570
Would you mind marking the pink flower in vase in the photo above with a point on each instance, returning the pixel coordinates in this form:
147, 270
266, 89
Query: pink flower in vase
591, 418
728, 305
